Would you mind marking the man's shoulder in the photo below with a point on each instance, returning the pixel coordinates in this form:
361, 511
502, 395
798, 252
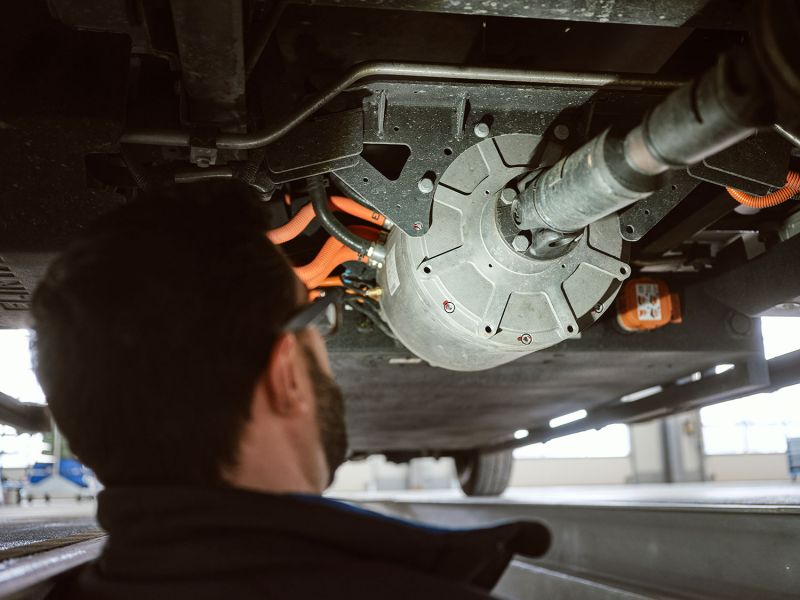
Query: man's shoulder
364, 578
215, 542
346, 577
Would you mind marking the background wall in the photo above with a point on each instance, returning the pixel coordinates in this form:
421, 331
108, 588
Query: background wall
747, 467
375, 474
528, 472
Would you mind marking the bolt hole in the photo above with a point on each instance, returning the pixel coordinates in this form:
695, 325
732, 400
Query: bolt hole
647, 212
623, 270
427, 269
563, 266
629, 229
490, 265
570, 329
487, 329
448, 151
486, 192
366, 179
674, 187
396, 128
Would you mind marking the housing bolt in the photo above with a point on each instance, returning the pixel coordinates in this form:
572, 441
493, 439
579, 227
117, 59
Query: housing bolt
425, 185
598, 308
520, 243
508, 195
740, 324
416, 226
561, 132
482, 130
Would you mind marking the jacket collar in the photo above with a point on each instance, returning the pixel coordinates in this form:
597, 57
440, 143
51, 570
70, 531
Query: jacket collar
142, 520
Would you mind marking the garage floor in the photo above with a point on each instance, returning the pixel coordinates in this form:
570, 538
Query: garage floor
646, 541
683, 494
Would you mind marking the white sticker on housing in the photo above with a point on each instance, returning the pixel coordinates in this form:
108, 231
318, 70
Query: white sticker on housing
648, 302
392, 278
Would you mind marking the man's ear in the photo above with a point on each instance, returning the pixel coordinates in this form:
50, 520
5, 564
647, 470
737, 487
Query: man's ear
288, 389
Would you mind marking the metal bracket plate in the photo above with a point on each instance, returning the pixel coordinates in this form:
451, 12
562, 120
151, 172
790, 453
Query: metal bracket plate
326, 144
635, 222
402, 113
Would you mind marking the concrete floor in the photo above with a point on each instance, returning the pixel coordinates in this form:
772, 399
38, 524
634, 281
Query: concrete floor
32, 524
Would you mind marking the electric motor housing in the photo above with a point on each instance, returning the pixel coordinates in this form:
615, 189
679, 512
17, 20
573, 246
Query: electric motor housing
469, 295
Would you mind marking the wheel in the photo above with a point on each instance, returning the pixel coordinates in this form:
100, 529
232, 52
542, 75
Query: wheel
484, 474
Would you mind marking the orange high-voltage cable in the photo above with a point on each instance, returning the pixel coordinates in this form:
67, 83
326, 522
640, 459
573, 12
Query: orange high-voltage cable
298, 223
333, 254
780, 196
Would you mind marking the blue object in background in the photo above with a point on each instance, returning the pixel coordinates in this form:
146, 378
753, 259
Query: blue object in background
39, 472
793, 454
73, 471
69, 469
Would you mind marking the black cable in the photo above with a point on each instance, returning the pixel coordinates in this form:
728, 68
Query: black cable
351, 283
319, 199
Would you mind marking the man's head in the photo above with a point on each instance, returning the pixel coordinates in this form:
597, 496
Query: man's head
159, 343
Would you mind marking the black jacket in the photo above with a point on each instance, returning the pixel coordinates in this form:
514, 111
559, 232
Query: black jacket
184, 542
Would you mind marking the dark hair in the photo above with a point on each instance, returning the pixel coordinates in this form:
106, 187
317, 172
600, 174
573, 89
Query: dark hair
151, 331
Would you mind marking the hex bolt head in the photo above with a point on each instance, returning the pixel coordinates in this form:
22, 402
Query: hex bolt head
520, 243
739, 324
482, 130
416, 226
203, 162
425, 185
508, 195
561, 132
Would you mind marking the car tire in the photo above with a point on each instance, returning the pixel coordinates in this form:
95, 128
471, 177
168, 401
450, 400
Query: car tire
484, 474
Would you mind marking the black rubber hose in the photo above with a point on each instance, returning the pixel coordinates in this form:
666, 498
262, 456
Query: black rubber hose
319, 200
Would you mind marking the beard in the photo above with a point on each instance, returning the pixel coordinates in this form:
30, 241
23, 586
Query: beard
330, 414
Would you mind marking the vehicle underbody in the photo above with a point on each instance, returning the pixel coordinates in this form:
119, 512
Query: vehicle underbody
531, 173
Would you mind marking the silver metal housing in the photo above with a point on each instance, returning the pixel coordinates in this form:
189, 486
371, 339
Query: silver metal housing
461, 297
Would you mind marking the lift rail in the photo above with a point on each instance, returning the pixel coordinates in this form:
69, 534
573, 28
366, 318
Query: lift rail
665, 548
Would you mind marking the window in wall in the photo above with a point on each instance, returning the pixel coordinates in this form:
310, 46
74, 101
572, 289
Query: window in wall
18, 451
609, 442
18, 381
758, 424
16, 376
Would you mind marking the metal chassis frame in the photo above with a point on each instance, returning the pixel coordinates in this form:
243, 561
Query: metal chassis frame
676, 13
749, 377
